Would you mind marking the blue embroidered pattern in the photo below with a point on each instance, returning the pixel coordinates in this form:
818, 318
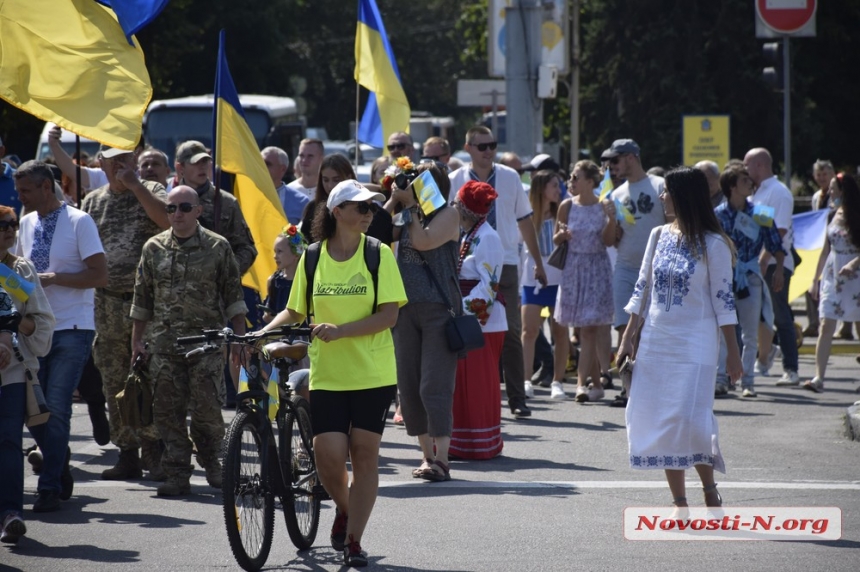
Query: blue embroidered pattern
674, 264
670, 461
727, 297
43, 236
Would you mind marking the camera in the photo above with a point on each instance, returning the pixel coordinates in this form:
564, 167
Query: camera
404, 179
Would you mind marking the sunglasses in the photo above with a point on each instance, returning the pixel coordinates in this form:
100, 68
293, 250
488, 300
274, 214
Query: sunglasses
362, 207
7, 224
484, 146
397, 146
184, 207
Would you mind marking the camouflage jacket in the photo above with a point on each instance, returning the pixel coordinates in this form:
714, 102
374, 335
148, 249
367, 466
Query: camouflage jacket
233, 226
182, 288
124, 227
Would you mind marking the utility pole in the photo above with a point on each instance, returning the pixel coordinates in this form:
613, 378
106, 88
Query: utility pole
786, 106
524, 117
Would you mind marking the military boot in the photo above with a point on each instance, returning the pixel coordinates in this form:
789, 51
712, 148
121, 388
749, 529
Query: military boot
150, 460
128, 467
213, 473
174, 487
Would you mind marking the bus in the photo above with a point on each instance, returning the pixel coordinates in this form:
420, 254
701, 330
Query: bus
273, 120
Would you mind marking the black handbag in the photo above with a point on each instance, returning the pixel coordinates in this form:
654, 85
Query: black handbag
558, 256
463, 331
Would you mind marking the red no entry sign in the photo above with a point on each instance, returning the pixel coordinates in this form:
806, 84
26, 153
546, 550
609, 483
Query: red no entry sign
786, 16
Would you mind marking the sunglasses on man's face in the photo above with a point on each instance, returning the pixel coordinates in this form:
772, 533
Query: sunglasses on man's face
362, 207
397, 146
484, 146
184, 207
7, 224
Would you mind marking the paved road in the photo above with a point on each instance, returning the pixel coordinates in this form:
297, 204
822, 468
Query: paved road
552, 501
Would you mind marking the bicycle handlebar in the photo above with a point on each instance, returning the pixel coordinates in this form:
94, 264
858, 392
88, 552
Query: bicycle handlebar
226, 335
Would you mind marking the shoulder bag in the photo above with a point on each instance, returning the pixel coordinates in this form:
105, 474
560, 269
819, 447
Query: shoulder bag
625, 370
463, 330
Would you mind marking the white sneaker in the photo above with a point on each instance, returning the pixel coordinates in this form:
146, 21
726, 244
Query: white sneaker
596, 393
815, 384
530, 390
557, 391
789, 378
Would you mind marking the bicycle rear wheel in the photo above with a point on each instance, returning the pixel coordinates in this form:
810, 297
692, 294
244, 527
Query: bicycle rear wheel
247, 494
302, 504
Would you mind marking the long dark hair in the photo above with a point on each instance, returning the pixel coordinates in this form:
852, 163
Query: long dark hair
694, 213
850, 205
324, 223
337, 163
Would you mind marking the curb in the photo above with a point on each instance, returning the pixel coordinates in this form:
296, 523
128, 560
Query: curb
852, 422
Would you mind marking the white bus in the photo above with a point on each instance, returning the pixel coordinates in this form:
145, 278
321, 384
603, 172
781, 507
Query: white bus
273, 121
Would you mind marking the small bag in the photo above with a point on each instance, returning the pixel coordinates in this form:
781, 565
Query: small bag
37, 412
464, 333
134, 402
558, 256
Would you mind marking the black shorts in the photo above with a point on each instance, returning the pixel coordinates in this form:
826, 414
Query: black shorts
338, 411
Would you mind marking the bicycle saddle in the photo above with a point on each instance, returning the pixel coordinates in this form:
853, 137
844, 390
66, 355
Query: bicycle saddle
295, 351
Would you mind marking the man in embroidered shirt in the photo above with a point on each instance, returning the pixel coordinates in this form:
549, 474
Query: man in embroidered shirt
752, 299
128, 212
65, 248
293, 201
772, 193
511, 216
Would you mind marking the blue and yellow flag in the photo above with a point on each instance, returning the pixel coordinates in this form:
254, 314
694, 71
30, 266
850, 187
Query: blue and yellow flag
69, 63
810, 230
428, 194
605, 187
387, 109
16, 286
134, 15
236, 152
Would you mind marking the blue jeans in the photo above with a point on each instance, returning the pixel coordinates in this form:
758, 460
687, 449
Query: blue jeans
783, 319
12, 403
749, 316
59, 374
623, 282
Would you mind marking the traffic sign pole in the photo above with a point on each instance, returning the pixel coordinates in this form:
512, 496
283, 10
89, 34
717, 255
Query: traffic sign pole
786, 117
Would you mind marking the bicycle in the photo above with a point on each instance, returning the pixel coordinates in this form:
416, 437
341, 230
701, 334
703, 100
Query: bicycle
256, 468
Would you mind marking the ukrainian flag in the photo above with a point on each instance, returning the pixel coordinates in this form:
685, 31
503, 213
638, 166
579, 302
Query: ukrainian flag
605, 187
236, 152
69, 63
810, 230
14, 284
387, 109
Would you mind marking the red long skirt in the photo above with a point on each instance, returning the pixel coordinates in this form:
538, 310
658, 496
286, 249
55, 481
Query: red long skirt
478, 402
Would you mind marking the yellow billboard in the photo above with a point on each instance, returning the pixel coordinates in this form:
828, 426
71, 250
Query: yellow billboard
705, 137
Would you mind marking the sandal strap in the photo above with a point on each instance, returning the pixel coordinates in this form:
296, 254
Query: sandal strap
710, 488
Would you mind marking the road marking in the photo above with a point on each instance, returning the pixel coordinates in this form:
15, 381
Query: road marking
790, 485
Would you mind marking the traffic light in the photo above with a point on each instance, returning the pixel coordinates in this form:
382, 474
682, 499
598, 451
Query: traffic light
772, 74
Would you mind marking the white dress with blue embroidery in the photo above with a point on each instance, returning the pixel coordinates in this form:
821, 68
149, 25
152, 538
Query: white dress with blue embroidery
670, 418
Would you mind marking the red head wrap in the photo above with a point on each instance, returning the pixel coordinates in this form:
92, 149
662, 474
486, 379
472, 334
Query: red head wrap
477, 197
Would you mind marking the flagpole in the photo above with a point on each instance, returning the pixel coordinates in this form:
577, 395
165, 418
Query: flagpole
216, 137
357, 96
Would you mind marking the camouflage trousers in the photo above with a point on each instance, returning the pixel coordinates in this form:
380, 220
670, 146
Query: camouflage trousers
183, 385
112, 356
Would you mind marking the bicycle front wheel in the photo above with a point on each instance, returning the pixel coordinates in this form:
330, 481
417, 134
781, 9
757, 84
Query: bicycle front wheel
301, 503
247, 494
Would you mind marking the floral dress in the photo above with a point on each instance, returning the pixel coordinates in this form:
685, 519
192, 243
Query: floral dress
840, 295
585, 291
670, 419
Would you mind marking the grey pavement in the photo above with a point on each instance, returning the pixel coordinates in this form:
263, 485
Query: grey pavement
552, 501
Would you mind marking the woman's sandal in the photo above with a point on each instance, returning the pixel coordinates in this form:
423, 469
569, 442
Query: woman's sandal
680, 502
426, 465
712, 490
432, 474
606, 380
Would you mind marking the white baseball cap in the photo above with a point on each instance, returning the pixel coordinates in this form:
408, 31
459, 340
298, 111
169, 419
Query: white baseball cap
351, 190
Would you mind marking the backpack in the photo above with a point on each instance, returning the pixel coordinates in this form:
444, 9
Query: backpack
372, 248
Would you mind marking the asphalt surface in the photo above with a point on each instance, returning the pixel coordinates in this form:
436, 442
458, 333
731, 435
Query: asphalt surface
552, 501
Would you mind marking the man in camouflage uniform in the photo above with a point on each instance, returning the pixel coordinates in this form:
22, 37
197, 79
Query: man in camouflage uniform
127, 212
193, 168
187, 281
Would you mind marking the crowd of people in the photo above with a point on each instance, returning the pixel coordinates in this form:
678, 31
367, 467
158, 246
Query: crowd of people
154, 252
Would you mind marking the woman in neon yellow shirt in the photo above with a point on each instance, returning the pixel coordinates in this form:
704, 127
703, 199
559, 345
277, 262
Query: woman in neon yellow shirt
353, 373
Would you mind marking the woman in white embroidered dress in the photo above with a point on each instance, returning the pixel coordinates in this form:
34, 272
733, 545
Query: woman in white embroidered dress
670, 419
477, 415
